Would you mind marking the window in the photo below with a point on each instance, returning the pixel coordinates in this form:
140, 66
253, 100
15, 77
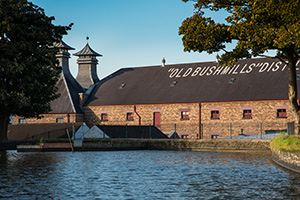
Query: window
129, 116
215, 114
104, 117
247, 114
22, 121
281, 113
231, 80
185, 115
122, 86
59, 120
173, 83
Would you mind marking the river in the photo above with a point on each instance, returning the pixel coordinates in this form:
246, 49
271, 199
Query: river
144, 175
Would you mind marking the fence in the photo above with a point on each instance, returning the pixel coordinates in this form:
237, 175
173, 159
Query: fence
243, 129
184, 129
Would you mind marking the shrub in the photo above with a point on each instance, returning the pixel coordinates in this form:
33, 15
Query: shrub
286, 143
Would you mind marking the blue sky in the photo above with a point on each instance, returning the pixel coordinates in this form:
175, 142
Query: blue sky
129, 33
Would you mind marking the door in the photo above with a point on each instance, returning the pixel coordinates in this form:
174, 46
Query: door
156, 118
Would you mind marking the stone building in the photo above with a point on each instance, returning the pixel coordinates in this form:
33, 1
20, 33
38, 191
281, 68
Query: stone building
197, 100
194, 100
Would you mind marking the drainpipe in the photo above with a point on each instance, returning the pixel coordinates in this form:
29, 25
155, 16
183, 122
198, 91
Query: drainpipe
200, 121
134, 108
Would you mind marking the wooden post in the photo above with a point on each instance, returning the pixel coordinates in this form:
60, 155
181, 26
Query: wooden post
201, 131
230, 131
69, 139
260, 126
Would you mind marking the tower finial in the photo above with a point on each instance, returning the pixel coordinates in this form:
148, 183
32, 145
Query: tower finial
163, 62
87, 39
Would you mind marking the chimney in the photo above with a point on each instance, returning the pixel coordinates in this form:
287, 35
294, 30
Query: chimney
82, 98
87, 66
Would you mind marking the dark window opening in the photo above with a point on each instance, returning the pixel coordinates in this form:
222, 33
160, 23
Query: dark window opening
22, 121
247, 114
215, 114
59, 120
281, 113
129, 116
104, 117
184, 136
185, 115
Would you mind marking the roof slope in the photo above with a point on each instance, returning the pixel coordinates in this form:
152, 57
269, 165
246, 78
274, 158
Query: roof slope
253, 79
62, 45
68, 102
87, 51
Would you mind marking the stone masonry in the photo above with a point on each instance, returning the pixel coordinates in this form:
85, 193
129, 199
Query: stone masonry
263, 117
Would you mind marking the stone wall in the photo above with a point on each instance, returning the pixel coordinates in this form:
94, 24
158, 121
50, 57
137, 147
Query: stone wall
51, 118
230, 122
264, 117
178, 145
286, 159
170, 114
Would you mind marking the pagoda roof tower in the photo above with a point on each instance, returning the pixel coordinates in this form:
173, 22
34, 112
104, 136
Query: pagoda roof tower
87, 66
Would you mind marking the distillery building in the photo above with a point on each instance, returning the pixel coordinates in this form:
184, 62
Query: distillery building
194, 100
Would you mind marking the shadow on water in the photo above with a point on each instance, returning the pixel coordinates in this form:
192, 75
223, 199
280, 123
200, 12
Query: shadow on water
144, 175
23, 175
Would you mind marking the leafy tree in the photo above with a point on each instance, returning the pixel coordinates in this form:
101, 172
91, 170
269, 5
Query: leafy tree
28, 67
257, 26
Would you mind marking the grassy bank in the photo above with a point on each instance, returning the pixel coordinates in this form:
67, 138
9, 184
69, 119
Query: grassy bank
286, 143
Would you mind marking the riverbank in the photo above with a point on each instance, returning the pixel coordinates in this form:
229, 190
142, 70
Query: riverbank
157, 144
175, 145
286, 152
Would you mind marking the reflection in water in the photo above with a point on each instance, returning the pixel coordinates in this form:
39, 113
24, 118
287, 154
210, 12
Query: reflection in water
144, 175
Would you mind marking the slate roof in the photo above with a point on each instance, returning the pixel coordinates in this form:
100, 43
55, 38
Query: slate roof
68, 88
253, 79
87, 51
68, 102
132, 132
62, 45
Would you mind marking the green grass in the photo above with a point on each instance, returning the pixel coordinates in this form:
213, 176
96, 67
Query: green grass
286, 143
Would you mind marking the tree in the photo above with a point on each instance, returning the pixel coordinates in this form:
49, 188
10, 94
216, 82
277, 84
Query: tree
28, 67
257, 26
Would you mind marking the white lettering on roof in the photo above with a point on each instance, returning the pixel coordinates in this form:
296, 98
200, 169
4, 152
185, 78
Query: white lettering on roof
262, 67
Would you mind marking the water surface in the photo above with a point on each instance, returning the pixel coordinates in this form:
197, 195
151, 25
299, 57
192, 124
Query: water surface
144, 175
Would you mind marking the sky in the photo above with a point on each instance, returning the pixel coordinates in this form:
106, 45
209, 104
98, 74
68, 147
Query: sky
131, 33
